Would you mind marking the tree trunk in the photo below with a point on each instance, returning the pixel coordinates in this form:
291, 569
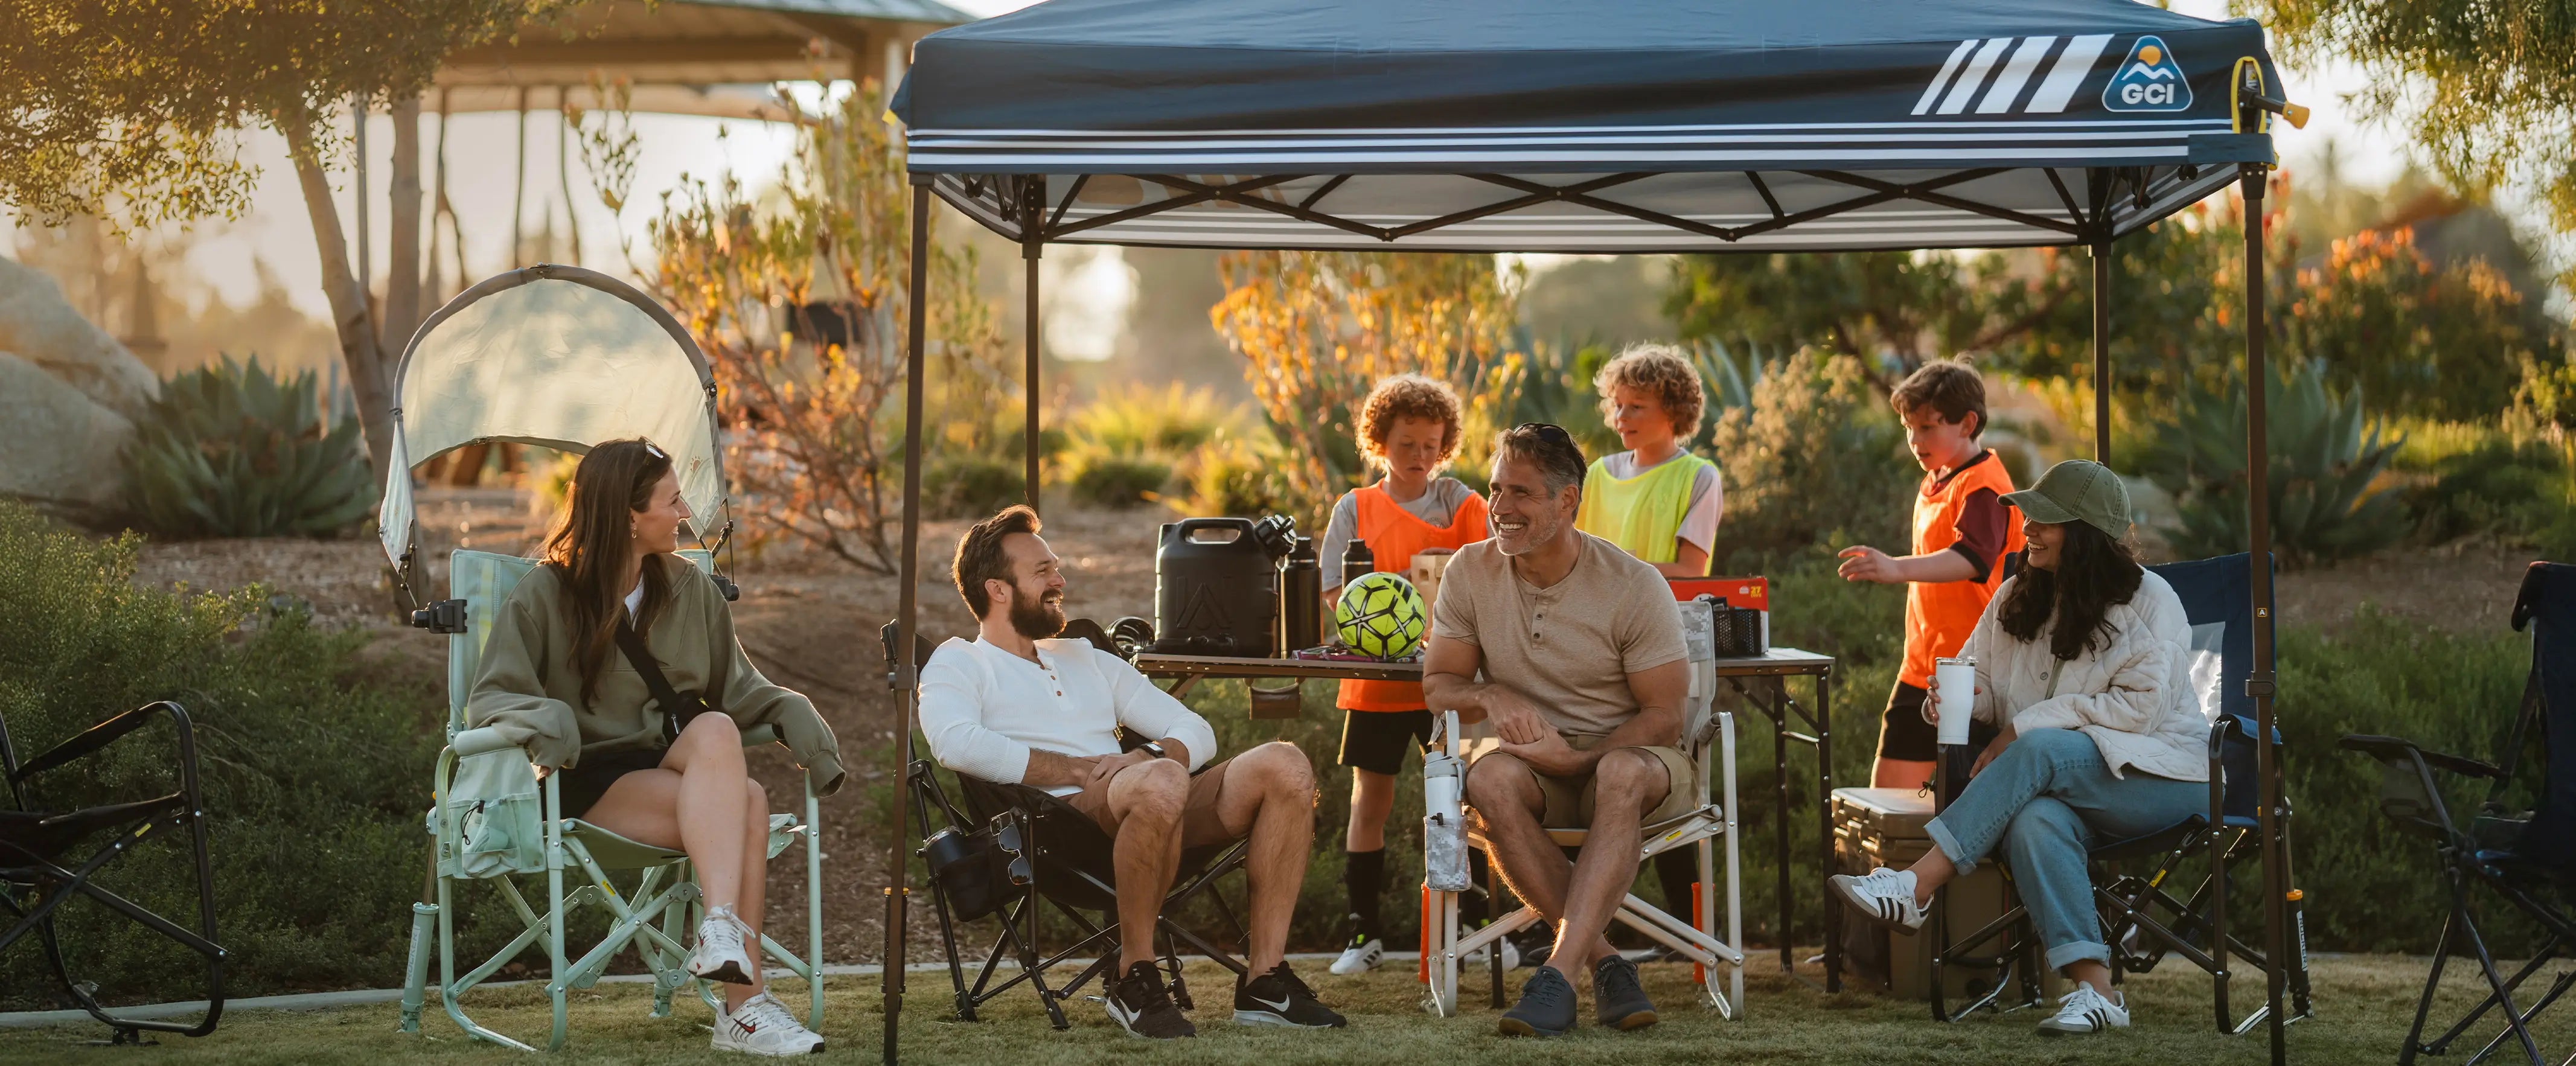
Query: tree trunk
349, 312
402, 275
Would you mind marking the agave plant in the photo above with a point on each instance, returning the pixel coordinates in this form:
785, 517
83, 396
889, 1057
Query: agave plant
2327, 453
230, 451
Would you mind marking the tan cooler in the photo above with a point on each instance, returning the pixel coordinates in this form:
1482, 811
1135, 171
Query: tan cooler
1884, 827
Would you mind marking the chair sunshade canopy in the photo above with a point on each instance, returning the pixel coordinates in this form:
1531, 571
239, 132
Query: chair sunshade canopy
1613, 126
556, 356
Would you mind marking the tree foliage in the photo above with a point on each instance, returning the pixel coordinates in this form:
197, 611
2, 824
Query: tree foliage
2487, 89
800, 298
1817, 457
131, 109
1319, 329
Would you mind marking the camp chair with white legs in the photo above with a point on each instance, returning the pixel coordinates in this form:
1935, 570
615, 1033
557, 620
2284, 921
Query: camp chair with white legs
564, 358
1708, 735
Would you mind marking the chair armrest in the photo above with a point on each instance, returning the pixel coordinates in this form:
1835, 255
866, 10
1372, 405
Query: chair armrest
2390, 749
101, 735
482, 741
758, 735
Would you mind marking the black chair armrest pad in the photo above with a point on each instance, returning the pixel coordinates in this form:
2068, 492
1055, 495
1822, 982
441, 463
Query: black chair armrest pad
2394, 748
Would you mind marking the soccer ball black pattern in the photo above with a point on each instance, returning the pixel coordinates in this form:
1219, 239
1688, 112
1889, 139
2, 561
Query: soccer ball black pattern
1381, 615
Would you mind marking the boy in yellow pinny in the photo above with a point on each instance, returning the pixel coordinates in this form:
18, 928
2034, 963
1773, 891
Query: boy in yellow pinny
1962, 531
1408, 428
1656, 500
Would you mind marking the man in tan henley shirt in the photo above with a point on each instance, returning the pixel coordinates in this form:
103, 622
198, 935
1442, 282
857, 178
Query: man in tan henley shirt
1580, 645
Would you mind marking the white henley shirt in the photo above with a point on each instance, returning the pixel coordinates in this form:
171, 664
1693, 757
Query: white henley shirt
984, 709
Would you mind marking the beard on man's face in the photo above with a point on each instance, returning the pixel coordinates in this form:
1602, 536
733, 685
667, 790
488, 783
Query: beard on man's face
1037, 616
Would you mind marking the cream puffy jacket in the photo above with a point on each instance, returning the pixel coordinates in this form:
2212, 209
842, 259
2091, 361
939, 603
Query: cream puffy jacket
2132, 696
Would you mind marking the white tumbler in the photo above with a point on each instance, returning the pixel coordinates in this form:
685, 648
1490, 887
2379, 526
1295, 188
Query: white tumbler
1444, 828
1958, 679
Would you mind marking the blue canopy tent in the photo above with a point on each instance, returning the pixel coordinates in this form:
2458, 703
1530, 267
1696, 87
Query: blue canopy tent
1665, 126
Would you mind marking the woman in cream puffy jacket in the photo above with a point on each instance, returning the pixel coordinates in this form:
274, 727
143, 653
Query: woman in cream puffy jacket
2082, 661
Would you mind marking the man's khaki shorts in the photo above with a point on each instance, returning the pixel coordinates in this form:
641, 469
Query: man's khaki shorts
1569, 799
1200, 824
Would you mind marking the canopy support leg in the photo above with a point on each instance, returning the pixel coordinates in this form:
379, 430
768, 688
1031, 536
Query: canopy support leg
907, 672
2102, 351
1032, 245
2276, 950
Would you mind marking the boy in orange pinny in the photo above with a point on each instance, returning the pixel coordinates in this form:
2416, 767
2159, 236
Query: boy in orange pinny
1408, 428
1962, 531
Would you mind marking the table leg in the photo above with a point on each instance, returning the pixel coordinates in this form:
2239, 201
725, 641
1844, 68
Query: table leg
1825, 825
1780, 773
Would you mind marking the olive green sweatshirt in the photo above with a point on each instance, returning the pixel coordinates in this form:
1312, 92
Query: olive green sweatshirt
530, 687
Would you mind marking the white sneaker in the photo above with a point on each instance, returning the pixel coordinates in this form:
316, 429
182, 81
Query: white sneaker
2086, 1011
762, 1026
720, 955
1511, 955
1362, 956
1884, 896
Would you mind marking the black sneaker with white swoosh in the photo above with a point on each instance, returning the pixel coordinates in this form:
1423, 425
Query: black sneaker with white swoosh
1278, 997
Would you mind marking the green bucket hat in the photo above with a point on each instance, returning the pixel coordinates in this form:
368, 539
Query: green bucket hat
2077, 490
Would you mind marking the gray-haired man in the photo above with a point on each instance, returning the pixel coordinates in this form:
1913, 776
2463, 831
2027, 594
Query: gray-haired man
1585, 674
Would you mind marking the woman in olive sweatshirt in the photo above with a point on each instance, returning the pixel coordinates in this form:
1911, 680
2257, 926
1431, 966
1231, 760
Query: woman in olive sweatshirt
555, 680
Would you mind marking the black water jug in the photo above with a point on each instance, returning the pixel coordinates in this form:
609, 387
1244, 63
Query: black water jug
1301, 598
1216, 590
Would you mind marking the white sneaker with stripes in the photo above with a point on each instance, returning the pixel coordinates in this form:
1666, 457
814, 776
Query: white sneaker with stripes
1883, 895
2085, 1011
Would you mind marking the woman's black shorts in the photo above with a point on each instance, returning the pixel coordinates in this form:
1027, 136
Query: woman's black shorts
584, 784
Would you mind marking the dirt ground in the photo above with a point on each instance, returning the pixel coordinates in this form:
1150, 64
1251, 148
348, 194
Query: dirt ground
811, 622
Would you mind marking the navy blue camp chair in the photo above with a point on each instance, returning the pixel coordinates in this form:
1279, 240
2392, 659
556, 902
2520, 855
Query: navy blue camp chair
2525, 856
2142, 919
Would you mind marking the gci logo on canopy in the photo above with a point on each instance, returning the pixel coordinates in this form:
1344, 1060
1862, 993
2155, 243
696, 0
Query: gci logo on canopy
2149, 80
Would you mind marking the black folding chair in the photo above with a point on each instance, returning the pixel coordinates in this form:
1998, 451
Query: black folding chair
50, 855
1057, 859
2526, 857
2142, 919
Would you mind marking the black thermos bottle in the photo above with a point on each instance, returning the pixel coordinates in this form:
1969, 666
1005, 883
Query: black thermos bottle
1301, 598
1357, 562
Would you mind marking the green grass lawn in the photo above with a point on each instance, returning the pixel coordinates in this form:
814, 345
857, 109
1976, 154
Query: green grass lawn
2364, 1006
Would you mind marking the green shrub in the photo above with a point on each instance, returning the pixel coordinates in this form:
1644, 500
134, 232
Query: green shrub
1245, 477
1140, 420
2327, 455
1121, 482
229, 451
317, 848
2522, 492
1816, 457
972, 486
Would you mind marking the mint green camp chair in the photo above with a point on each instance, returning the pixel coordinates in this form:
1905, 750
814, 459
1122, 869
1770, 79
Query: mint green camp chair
564, 358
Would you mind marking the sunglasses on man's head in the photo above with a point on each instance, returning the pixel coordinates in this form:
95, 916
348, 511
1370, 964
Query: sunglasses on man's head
1547, 431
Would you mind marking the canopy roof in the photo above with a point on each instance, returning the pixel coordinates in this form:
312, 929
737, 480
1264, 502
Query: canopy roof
557, 356
1604, 126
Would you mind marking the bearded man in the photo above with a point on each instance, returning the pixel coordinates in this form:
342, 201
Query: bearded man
1016, 707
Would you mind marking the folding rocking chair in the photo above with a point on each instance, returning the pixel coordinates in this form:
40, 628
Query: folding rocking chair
2526, 857
662, 891
46, 859
1055, 857
1708, 735
2142, 919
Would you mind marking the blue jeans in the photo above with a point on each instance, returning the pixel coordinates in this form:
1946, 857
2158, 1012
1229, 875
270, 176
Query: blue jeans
2045, 798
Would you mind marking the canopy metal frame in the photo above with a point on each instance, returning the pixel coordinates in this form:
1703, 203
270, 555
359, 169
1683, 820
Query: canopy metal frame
1027, 209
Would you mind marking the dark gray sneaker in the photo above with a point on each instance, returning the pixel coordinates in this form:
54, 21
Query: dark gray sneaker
1546, 1007
1141, 1005
1618, 1000
1279, 998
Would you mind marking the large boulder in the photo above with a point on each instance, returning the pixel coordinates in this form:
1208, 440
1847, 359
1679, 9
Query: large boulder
56, 445
42, 328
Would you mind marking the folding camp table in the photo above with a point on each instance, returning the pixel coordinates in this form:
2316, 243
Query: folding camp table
1662, 126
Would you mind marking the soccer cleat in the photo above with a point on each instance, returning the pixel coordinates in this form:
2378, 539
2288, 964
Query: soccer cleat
2085, 1011
1618, 998
1546, 1007
1141, 1005
1885, 896
762, 1026
1363, 954
720, 954
1279, 998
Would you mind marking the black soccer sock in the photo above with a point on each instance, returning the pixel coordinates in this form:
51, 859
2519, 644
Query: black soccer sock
1678, 869
1364, 877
